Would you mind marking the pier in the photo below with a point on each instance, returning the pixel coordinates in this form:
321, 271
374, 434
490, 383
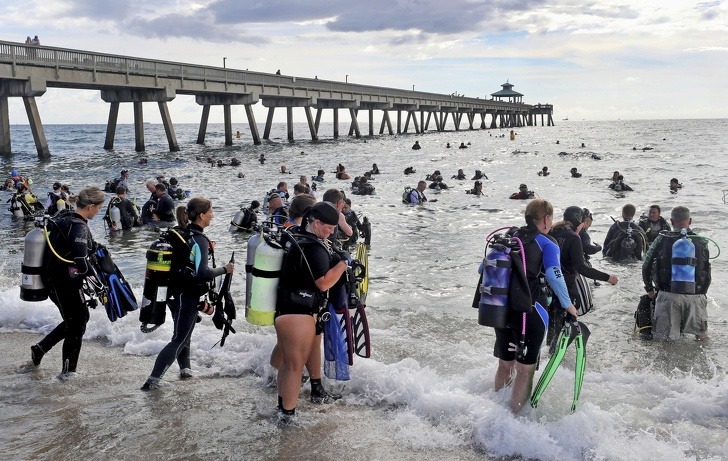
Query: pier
26, 71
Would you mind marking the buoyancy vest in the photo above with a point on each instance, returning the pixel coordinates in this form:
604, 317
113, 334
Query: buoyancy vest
534, 263
295, 271
664, 262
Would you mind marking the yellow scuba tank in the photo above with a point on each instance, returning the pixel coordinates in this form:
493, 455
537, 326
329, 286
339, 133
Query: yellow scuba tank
266, 273
31, 285
156, 280
253, 243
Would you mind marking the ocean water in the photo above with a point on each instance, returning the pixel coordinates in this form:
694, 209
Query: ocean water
427, 391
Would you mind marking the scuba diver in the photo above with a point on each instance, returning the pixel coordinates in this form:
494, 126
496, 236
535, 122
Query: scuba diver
674, 185
573, 264
586, 241
319, 176
619, 185
460, 175
523, 193
437, 184
677, 265
653, 223
544, 171
575, 173
69, 238
185, 291
477, 189
625, 239
174, 190
296, 320
24, 203
478, 175
128, 214
527, 323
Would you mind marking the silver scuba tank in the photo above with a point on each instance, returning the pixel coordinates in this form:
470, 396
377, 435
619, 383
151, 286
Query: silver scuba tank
237, 221
31, 285
16, 209
115, 216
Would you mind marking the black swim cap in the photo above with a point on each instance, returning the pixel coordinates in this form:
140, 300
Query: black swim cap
573, 215
324, 212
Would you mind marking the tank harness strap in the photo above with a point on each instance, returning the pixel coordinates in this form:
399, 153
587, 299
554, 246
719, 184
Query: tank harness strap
265, 274
685, 261
493, 290
499, 263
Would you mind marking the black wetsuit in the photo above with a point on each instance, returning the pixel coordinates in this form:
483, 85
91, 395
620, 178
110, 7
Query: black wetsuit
587, 245
165, 208
653, 229
296, 276
572, 263
72, 240
127, 211
183, 300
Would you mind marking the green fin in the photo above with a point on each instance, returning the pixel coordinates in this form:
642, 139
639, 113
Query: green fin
554, 362
580, 366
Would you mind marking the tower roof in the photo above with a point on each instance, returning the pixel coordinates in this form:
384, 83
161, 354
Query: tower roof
506, 91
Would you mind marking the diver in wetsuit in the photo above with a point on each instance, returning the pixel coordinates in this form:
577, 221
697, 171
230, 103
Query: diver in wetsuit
71, 239
572, 263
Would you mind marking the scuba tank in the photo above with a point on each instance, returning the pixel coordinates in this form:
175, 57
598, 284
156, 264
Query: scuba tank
253, 243
115, 217
496, 272
31, 285
156, 280
683, 264
264, 287
628, 245
15, 207
237, 221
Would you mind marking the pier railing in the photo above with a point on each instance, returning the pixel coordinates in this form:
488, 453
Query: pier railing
17, 54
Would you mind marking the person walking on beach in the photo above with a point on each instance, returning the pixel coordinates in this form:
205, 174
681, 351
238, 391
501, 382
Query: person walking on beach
71, 240
184, 295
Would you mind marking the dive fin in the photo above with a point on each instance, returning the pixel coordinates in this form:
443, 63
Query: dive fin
551, 367
362, 343
363, 286
579, 368
347, 332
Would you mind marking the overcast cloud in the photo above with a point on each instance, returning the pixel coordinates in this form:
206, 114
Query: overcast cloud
594, 59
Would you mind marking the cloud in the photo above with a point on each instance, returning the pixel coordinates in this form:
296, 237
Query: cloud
95, 9
255, 11
198, 26
429, 16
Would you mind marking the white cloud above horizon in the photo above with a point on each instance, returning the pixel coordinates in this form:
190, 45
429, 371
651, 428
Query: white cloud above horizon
598, 60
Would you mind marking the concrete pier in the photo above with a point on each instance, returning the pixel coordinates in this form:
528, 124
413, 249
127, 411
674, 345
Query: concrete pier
26, 71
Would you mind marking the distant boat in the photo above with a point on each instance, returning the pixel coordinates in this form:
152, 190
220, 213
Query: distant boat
567, 118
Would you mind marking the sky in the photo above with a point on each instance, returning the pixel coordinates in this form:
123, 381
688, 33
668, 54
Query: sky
593, 60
